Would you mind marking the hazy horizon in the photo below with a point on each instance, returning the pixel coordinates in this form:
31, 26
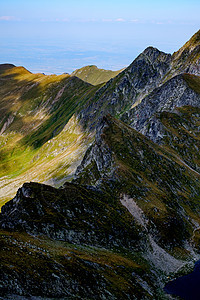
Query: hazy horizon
61, 36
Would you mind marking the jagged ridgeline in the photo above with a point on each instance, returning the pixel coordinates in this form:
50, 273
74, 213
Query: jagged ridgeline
130, 217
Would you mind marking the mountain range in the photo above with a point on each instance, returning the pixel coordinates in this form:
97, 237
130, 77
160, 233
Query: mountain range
106, 171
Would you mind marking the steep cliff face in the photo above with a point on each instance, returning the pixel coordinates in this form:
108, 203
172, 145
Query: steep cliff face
149, 71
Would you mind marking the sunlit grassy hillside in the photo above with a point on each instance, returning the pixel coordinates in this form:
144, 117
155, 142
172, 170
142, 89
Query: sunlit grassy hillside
40, 139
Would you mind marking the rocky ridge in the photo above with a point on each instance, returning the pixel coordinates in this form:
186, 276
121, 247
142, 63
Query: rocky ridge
187, 58
150, 70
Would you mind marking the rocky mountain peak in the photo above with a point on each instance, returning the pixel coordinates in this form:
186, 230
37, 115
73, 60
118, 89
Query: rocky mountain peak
128, 88
154, 54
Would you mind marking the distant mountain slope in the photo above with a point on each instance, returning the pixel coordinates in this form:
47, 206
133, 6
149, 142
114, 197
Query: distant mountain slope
28, 100
94, 75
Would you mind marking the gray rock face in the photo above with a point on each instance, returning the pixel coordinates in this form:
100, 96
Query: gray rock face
174, 93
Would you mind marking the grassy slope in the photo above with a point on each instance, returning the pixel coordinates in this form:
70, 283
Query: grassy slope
189, 52
193, 82
94, 75
34, 117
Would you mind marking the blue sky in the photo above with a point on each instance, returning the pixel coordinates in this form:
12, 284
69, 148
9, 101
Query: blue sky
56, 36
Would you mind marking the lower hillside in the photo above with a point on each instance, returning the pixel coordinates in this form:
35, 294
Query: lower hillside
128, 222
